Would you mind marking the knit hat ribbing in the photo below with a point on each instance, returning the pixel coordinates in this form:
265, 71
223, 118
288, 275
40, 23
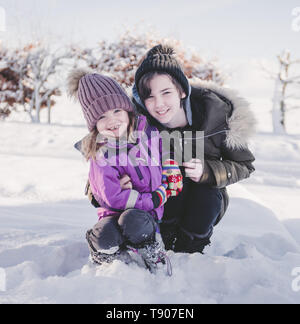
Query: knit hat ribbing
161, 59
97, 94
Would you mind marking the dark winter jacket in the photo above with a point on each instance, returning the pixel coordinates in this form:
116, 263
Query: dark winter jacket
227, 123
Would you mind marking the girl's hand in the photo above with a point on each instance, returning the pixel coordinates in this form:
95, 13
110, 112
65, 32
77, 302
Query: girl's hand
194, 169
162, 194
171, 175
125, 182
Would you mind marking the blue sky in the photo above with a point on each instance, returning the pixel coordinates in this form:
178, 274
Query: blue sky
228, 29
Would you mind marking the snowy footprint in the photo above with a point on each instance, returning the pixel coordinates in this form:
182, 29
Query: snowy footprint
40, 262
243, 251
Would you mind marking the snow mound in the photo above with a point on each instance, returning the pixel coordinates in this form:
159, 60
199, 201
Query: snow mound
44, 216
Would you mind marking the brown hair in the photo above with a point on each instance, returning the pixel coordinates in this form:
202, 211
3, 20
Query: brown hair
144, 84
90, 146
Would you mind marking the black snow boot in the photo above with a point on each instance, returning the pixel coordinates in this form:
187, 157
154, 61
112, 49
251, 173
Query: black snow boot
168, 231
188, 243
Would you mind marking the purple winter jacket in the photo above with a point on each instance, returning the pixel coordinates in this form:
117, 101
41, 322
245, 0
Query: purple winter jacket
107, 169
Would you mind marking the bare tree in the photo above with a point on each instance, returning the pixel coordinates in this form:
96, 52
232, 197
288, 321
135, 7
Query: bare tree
25, 79
44, 64
283, 80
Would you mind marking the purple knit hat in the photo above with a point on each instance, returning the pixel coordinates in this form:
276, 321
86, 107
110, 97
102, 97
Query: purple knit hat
97, 94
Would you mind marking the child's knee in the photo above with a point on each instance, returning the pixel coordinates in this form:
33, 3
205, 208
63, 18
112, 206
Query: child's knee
137, 225
106, 234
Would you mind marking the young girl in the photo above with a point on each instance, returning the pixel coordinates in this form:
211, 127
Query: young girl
120, 143
163, 94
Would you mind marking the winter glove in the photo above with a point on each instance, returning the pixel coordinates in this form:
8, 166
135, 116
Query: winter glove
172, 175
161, 195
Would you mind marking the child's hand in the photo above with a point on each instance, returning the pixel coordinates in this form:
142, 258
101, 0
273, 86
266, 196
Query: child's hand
125, 182
162, 194
175, 182
172, 175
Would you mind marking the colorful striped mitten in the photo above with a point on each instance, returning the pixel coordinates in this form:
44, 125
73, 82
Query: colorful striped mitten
161, 195
172, 175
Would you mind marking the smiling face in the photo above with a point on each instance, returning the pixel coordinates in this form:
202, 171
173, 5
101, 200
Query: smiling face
113, 123
164, 101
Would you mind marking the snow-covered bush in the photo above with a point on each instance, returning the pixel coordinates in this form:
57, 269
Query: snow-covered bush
30, 76
13, 91
121, 58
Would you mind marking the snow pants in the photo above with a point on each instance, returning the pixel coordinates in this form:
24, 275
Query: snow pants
194, 212
132, 227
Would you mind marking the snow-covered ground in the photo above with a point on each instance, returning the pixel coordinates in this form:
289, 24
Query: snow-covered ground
44, 216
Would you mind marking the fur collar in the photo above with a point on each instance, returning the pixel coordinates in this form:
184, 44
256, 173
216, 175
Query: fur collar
241, 123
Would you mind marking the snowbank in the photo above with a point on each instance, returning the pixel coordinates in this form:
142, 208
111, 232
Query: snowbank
44, 217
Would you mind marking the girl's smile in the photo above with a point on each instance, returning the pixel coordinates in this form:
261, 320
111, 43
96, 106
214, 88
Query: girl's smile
164, 101
113, 123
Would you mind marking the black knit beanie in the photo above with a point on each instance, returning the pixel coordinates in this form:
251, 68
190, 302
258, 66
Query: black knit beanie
161, 59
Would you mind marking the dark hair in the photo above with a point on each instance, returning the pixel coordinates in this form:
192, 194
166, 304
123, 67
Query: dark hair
144, 84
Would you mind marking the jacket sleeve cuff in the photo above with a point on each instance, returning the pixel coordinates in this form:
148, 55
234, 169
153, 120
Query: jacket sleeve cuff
156, 200
220, 173
208, 176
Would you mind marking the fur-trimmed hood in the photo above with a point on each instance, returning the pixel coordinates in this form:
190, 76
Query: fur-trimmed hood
241, 123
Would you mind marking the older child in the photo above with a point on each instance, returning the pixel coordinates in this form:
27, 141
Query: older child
127, 217
163, 94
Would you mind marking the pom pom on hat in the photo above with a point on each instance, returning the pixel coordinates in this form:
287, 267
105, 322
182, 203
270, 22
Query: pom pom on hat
161, 49
73, 80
